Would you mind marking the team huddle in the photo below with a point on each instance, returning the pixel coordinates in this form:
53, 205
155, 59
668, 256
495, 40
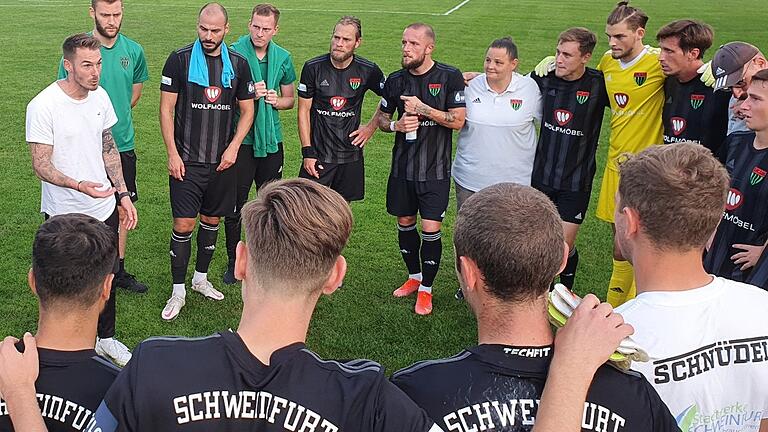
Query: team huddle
681, 189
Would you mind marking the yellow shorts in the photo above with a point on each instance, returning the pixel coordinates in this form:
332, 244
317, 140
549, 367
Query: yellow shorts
606, 203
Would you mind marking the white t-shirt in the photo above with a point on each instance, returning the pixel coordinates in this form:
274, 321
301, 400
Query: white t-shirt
73, 127
498, 141
709, 353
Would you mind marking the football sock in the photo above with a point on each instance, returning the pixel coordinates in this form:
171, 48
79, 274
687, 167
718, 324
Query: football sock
206, 245
232, 232
180, 290
199, 277
427, 289
620, 283
431, 251
181, 249
416, 276
569, 272
408, 239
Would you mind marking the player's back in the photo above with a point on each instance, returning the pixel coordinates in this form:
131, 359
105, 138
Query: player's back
497, 387
709, 352
216, 384
69, 388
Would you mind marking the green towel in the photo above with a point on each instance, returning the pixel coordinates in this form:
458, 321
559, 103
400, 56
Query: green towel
263, 130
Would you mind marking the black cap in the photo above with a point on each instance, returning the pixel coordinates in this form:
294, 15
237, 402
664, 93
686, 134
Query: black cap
729, 61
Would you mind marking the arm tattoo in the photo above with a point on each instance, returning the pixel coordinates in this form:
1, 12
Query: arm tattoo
384, 119
423, 110
112, 160
449, 117
44, 169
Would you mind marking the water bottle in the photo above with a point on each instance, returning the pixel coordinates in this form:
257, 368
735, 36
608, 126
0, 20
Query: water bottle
410, 137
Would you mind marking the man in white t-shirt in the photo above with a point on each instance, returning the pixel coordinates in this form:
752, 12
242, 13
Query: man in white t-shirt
74, 154
498, 141
707, 336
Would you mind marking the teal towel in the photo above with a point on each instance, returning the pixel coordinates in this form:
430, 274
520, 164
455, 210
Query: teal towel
198, 67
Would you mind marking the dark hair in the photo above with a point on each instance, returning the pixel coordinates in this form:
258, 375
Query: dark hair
428, 30
71, 256
265, 10
515, 236
80, 40
690, 34
93, 2
506, 43
634, 17
353, 21
218, 6
582, 36
760, 76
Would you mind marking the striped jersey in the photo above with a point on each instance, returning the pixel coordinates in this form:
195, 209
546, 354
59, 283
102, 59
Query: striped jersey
429, 158
337, 102
693, 112
636, 94
215, 384
497, 387
203, 115
745, 218
570, 130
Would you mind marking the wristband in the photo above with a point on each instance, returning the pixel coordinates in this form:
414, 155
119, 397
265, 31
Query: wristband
308, 152
392, 126
122, 195
78, 185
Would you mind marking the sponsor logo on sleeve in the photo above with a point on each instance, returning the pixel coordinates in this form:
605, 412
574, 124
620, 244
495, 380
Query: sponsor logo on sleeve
166, 80
383, 102
459, 97
302, 87
251, 87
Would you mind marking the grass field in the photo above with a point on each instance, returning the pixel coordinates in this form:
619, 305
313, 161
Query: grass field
362, 319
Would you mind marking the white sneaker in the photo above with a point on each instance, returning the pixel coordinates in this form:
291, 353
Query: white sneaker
173, 307
206, 288
114, 350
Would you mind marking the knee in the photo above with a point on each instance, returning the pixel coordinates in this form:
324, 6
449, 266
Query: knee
183, 225
210, 220
406, 220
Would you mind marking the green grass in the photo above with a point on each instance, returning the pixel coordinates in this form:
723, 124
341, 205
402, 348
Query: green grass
362, 319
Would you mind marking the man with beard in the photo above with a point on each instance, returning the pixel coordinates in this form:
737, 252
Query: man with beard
69, 133
429, 97
692, 112
123, 72
260, 158
331, 92
200, 85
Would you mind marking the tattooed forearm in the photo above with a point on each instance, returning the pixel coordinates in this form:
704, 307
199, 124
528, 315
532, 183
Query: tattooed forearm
383, 120
44, 169
423, 110
112, 160
449, 117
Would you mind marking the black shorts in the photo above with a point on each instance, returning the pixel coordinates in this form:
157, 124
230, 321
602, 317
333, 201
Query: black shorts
258, 171
128, 161
348, 179
204, 191
572, 205
427, 198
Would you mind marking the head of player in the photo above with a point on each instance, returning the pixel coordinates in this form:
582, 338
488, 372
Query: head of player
263, 25
501, 61
734, 64
509, 247
755, 106
682, 44
305, 226
72, 260
107, 17
82, 61
346, 38
212, 26
625, 29
574, 50
418, 44
669, 203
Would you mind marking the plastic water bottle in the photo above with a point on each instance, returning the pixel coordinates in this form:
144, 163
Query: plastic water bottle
410, 137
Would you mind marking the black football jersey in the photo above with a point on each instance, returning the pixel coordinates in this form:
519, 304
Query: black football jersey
570, 129
429, 158
497, 387
337, 101
215, 384
745, 218
69, 388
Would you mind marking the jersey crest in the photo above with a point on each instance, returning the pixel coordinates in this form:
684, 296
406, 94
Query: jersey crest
516, 103
756, 176
125, 62
734, 200
697, 100
622, 99
640, 77
582, 96
338, 102
212, 93
678, 125
563, 116
354, 83
434, 88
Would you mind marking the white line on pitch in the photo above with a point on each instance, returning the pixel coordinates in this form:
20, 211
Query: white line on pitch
455, 8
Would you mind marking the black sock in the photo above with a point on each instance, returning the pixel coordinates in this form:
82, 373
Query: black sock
206, 245
232, 232
431, 251
121, 268
568, 275
408, 239
181, 249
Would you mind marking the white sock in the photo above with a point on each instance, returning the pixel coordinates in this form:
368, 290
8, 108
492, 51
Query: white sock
180, 290
109, 339
425, 289
199, 277
416, 276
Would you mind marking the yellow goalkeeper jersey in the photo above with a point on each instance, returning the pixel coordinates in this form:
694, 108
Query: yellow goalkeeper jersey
636, 94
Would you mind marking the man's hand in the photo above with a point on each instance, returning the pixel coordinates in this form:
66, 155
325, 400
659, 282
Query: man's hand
361, 136
260, 88
131, 215
228, 158
95, 190
18, 371
407, 123
545, 66
469, 76
412, 105
176, 167
311, 166
749, 257
271, 97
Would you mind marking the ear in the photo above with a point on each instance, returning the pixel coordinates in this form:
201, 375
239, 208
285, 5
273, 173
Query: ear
566, 252
277, 28
640, 32
358, 43
515, 62
336, 277
693, 54
31, 282
470, 273
226, 29
633, 221
67, 66
241, 261
106, 287
586, 58
92, 12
